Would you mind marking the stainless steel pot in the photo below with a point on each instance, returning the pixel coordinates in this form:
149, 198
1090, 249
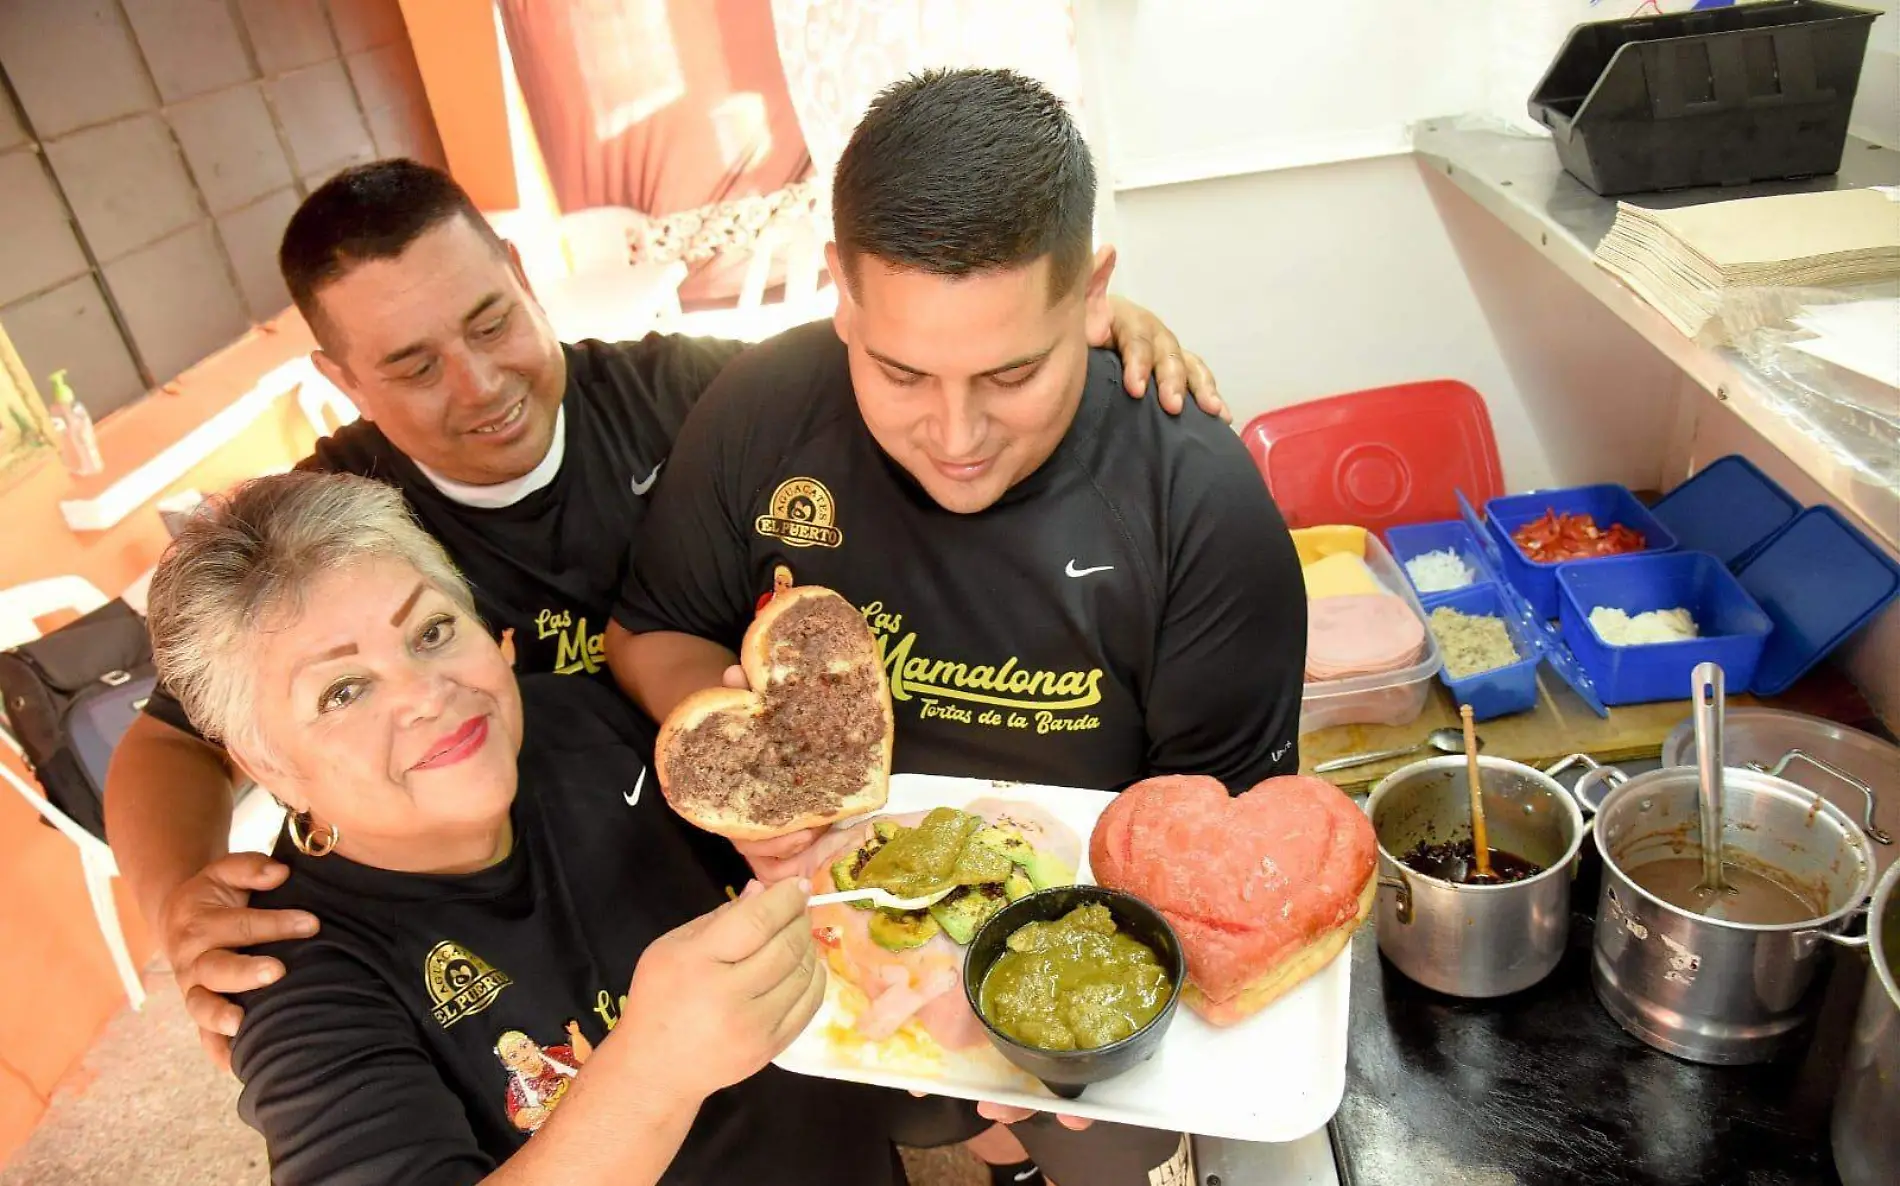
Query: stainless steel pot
1867, 1110
1475, 940
1858, 772
1711, 990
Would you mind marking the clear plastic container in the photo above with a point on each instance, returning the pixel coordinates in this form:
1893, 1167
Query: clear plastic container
1391, 698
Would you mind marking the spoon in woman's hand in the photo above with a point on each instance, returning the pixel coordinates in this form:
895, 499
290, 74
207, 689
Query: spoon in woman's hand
1445, 741
882, 899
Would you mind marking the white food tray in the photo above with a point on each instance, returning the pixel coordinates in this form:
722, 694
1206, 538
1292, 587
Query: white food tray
1277, 1076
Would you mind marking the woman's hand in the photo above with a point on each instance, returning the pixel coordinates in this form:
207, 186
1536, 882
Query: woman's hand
715, 1000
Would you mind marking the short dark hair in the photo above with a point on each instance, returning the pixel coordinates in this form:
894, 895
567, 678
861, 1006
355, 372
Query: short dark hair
366, 212
952, 172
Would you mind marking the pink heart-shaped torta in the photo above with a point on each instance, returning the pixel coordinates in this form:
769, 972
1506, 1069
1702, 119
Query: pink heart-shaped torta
1263, 888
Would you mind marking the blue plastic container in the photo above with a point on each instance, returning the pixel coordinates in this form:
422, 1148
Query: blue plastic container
1734, 628
1419, 538
1729, 509
1502, 690
1607, 504
1819, 580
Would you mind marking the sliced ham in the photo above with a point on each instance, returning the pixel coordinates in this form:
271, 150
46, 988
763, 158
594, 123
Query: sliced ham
1361, 634
925, 982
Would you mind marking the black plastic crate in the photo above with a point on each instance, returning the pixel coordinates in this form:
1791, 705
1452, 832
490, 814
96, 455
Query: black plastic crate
1724, 96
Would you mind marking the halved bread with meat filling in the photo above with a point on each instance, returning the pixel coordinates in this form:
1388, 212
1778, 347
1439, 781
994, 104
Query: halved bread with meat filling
808, 745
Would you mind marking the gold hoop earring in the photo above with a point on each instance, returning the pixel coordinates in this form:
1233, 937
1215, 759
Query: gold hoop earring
297, 823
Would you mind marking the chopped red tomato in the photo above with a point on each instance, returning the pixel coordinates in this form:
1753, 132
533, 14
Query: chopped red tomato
1558, 536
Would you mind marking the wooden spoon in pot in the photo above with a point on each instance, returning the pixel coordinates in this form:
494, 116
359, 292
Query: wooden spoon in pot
1480, 841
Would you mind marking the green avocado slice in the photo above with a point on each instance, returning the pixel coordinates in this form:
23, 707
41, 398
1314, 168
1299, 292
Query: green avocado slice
1044, 871
900, 932
967, 908
1018, 885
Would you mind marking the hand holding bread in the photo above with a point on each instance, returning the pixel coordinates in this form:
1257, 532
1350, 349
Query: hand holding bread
806, 743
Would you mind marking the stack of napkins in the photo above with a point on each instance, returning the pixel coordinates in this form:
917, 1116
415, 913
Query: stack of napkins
1684, 261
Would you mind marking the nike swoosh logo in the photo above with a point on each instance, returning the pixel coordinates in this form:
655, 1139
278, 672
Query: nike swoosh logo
632, 797
1073, 571
641, 487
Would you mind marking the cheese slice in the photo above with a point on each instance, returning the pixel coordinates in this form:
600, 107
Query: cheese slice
1316, 543
1339, 575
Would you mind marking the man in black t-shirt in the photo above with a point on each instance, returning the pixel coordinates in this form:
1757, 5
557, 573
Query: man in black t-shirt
530, 460
1063, 591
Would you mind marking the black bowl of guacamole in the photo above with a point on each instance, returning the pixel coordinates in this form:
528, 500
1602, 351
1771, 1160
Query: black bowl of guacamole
1074, 1004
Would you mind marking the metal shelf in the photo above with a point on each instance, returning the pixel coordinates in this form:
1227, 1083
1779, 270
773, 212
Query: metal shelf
1517, 179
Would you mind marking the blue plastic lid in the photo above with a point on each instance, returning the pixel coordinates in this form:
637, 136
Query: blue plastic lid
1729, 510
1548, 640
1819, 580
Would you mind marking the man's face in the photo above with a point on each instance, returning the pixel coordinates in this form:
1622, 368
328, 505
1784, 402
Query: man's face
447, 351
968, 382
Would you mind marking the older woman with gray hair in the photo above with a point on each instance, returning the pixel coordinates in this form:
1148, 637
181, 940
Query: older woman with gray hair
523, 973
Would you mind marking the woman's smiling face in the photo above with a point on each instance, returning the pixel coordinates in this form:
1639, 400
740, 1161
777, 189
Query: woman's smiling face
389, 713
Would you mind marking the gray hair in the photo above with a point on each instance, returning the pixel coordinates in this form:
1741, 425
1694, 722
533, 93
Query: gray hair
246, 559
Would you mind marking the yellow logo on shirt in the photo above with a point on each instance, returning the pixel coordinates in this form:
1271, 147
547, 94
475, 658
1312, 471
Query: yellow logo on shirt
801, 513
460, 982
575, 650
1005, 695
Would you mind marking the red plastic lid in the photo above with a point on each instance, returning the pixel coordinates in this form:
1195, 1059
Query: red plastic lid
1378, 458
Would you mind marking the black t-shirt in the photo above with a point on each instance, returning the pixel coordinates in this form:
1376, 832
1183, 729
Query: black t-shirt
375, 1059
550, 566
1134, 607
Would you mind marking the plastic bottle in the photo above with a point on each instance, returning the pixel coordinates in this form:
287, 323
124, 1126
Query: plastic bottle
72, 430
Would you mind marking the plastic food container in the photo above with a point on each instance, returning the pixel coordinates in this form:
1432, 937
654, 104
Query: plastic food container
1734, 629
1419, 538
1391, 698
1714, 96
1607, 504
1500, 691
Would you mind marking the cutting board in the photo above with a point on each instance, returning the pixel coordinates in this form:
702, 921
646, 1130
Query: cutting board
1559, 726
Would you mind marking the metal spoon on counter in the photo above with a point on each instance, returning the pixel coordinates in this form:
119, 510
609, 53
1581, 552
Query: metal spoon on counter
1445, 741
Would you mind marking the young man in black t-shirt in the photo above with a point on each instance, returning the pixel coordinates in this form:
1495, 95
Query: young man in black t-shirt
530, 460
1063, 590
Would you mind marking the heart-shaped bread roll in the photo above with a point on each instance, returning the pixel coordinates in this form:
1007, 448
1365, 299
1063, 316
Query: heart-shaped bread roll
1264, 889
809, 744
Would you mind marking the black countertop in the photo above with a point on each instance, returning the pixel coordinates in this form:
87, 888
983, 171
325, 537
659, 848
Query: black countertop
1543, 1087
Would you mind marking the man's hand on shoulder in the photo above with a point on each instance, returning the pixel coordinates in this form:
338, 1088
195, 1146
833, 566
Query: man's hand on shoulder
1149, 348
205, 921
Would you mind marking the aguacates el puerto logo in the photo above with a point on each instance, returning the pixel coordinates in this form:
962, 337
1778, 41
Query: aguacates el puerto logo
802, 514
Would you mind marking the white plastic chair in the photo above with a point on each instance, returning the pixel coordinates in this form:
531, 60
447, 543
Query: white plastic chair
20, 606
600, 236
326, 408
255, 821
803, 248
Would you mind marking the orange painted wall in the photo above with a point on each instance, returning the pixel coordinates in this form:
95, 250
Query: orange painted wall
57, 984
459, 54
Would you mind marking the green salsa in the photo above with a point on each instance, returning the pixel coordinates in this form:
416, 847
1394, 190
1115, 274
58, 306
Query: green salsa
1073, 984
922, 860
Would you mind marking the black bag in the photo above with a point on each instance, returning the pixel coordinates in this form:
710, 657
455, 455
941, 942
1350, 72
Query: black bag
70, 696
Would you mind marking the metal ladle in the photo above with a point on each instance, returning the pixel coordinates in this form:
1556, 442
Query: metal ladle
1709, 710
1445, 741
